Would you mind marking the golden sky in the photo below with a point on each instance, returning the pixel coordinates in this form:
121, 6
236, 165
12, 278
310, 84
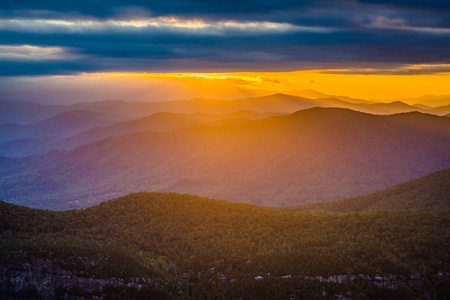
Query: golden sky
365, 84
377, 50
382, 87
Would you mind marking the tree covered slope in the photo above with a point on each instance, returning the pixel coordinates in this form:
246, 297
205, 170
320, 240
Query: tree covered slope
430, 192
190, 247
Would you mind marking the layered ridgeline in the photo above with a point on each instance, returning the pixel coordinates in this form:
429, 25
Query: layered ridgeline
312, 155
271, 103
25, 112
62, 125
28, 128
166, 245
430, 192
22, 112
156, 122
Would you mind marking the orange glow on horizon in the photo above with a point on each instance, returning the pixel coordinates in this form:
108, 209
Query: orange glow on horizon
380, 87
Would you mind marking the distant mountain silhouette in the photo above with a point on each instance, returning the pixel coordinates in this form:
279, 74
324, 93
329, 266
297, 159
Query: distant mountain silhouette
309, 93
373, 108
62, 125
314, 155
275, 103
313, 94
155, 122
247, 114
272, 103
393, 107
278, 103
428, 100
25, 112
430, 192
22, 112
443, 109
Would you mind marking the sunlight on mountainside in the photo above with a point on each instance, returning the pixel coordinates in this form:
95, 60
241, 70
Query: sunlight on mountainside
242, 150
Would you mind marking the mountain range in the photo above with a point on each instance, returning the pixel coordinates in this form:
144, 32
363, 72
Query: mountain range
22, 112
64, 131
63, 125
156, 122
352, 201
428, 100
313, 155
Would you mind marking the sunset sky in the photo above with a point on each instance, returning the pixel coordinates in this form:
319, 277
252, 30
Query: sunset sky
71, 51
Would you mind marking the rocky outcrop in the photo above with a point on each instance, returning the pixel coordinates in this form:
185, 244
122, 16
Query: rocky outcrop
390, 282
43, 278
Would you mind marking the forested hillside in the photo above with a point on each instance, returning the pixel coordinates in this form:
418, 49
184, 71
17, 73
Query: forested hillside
430, 192
188, 247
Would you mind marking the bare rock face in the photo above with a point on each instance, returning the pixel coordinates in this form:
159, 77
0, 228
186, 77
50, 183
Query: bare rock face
43, 278
24, 277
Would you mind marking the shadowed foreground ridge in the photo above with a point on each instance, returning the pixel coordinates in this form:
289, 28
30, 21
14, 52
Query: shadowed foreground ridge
182, 246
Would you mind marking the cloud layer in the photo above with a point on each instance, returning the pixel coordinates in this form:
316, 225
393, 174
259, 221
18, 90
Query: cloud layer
69, 37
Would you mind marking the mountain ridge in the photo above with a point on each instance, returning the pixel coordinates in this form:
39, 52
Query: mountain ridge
18, 110
163, 121
63, 124
178, 246
300, 149
430, 192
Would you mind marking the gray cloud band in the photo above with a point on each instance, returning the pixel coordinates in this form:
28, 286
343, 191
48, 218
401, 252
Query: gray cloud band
224, 36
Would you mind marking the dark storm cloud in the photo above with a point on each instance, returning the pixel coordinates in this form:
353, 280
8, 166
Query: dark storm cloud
9, 68
109, 8
436, 5
229, 8
97, 36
